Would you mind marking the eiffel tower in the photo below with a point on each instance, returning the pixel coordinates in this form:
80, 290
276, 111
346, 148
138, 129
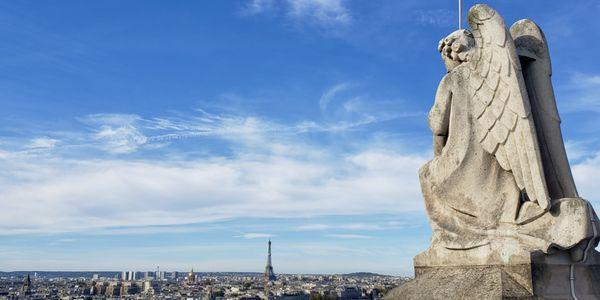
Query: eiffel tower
269, 274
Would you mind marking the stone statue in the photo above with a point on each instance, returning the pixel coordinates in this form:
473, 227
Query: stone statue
499, 191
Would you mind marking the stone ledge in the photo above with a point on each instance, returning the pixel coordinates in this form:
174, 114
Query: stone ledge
447, 283
547, 277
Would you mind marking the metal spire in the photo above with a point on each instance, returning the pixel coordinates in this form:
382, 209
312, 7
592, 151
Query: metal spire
269, 260
459, 14
269, 274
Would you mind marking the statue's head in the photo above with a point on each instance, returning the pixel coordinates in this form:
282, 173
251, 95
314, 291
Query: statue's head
455, 48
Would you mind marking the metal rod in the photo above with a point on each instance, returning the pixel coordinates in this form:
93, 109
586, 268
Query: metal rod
459, 14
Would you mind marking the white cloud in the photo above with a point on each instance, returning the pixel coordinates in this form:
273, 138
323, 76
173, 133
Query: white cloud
250, 236
586, 174
123, 139
585, 80
111, 119
66, 240
349, 236
115, 133
436, 17
73, 195
579, 149
343, 109
42, 143
328, 96
355, 226
322, 13
581, 94
269, 169
259, 6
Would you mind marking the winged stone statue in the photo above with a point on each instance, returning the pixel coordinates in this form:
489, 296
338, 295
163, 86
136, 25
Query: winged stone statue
500, 186
507, 220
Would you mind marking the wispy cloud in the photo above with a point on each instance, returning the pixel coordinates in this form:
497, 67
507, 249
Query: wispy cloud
326, 14
106, 119
585, 80
586, 173
328, 95
344, 107
41, 143
349, 107
261, 163
66, 240
323, 12
349, 236
73, 195
122, 139
355, 226
259, 6
436, 17
580, 149
250, 236
116, 133
582, 93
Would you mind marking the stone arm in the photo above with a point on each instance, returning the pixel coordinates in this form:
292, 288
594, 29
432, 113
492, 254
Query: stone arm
439, 115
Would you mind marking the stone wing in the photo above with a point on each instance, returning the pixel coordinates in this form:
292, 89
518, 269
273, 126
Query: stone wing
501, 107
532, 49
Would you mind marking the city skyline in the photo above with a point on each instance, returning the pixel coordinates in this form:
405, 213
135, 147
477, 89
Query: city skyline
187, 134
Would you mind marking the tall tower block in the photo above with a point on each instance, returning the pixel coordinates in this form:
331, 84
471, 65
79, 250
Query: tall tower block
269, 274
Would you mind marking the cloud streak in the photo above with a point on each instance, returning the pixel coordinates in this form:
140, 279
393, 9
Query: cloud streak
349, 236
323, 12
81, 195
327, 14
582, 93
585, 174
103, 178
254, 235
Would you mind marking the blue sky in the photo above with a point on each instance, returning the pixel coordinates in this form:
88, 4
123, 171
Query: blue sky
186, 133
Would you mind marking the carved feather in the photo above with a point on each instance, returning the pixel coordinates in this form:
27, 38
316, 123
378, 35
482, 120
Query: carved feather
501, 106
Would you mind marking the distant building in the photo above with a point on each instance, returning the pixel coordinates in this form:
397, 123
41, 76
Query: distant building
351, 293
191, 279
128, 275
158, 274
147, 288
156, 286
294, 296
375, 294
124, 290
26, 288
269, 274
99, 288
114, 289
134, 288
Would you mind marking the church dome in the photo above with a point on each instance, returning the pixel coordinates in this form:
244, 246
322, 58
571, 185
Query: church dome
191, 276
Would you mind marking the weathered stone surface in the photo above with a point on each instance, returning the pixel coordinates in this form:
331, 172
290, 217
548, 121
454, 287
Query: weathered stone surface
506, 216
449, 283
544, 277
564, 224
500, 178
499, 186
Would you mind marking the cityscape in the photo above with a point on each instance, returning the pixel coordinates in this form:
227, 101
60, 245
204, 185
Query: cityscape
159, 284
